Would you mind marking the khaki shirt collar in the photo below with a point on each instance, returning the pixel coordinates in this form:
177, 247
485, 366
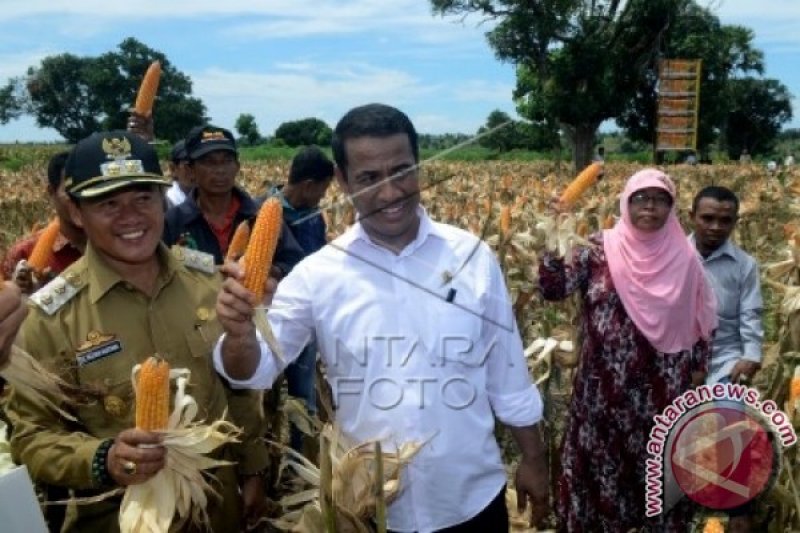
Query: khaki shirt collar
102, 278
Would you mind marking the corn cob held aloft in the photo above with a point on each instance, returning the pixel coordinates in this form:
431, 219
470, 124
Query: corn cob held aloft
152, 395
42, 251
239, 241
581, 184
148, 89
261, 248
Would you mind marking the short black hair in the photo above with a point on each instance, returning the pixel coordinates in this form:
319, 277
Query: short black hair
371, 120
310, 163
55, 169
718, 193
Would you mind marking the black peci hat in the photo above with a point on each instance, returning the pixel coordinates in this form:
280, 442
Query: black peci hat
107, 161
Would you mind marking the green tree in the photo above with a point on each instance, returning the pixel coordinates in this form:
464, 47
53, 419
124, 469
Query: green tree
757, 109
247, 129
578, 61
79, 95
304, 132
516, 135
725, 51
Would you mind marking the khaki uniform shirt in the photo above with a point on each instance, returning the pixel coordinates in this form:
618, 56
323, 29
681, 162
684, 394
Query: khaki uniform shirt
91, 327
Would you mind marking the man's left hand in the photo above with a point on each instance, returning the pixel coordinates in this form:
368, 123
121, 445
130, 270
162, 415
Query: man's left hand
532, 484
141, 125
744, 369
254, 500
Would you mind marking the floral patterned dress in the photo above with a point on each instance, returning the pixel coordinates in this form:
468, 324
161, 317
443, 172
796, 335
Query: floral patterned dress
622, 382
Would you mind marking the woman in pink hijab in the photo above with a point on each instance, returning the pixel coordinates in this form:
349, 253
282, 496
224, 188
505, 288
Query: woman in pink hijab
647, 319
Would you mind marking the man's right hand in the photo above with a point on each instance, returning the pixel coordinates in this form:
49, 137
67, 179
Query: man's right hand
235, 304
130, 464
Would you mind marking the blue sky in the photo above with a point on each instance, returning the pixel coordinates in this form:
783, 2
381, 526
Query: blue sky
285, 60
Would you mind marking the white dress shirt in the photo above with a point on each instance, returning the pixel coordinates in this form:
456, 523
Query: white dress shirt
406, 365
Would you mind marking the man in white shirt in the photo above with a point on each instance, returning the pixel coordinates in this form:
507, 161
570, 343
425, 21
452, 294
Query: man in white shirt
413, 322
182, 181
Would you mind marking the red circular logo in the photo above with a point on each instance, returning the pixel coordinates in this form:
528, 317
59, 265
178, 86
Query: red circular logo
723, 457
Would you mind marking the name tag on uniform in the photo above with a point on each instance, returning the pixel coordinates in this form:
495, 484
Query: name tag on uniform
96, 347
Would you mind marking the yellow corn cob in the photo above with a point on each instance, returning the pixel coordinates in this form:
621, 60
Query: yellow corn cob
609, 222
263, 241
152, 395
581, 184
42, 251
238, 243
713, 525
147, 90
505, 220
794, 393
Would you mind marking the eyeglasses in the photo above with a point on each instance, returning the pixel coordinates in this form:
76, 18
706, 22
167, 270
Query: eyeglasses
659, 200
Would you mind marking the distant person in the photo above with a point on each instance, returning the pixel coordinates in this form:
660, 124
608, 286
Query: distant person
68, 247
745, 158
208, 217
789, 161
181, 180
310, 175
691, 159
772, 167
600, 156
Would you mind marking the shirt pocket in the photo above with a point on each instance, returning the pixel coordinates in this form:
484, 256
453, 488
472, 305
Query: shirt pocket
108, 400
456, 327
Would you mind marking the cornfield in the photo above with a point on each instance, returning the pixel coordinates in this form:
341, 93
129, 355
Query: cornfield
506, 203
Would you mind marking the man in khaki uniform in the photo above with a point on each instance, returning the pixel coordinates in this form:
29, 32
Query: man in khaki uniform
129, 297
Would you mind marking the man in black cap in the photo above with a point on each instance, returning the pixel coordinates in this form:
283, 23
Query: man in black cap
127, 298
181, 181
208, 217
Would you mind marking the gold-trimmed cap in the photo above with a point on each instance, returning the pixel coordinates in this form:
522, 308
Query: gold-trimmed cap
107, 161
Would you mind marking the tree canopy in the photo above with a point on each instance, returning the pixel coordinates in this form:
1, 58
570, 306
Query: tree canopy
517, 135
248, 129
578, 61
79, 95
304, 132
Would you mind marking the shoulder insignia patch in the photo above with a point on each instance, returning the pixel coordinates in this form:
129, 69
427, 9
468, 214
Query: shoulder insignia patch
58, 292
195, 259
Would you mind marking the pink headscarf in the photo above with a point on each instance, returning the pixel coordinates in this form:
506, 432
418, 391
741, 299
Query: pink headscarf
658, 276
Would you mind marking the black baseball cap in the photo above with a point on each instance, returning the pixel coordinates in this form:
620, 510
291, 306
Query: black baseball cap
202, 140
178, 152
107, 161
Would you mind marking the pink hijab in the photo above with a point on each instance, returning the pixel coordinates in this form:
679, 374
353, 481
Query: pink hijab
658, 276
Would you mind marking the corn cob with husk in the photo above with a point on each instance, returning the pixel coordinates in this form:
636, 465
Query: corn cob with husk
257, 261
581, 184
148, 89
179, 491
42, 252
238, 244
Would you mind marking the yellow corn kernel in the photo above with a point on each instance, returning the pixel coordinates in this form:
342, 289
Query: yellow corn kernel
148, 89
581, 184
238, 243
261, 248
42, 251
152, 395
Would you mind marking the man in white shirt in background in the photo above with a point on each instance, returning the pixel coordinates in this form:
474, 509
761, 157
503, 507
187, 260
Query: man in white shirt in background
182, 181
413, 322
736, 351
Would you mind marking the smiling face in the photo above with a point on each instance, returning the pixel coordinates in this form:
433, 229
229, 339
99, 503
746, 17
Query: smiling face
124, 227
649, 208
382, 180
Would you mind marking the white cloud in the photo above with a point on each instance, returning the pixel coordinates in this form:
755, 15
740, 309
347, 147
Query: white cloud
483, 91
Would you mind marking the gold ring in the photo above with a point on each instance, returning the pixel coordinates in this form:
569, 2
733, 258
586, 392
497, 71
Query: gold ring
129, 467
